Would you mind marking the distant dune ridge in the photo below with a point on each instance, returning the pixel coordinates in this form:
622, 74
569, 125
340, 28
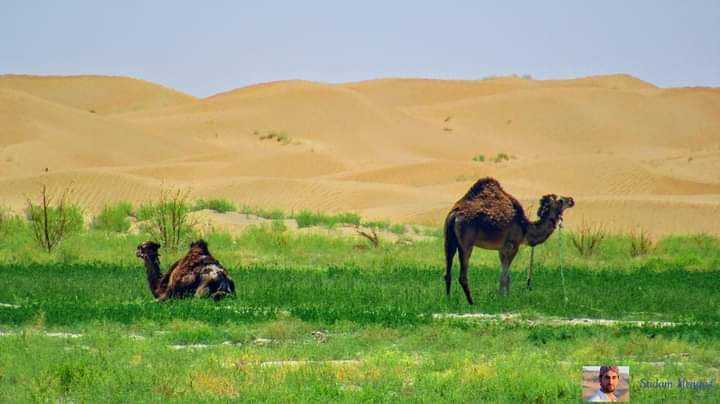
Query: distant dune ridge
633, 155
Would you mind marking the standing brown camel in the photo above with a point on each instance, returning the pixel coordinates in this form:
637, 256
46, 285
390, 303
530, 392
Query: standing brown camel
490, 218
198, 273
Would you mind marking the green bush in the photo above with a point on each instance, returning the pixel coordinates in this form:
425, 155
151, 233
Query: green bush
218, 205
114, 218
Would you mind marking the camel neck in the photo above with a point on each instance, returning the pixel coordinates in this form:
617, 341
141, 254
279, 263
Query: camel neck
539, 231
152, 268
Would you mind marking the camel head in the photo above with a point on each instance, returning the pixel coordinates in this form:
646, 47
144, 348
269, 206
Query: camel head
148, 249
200, 246
553, 206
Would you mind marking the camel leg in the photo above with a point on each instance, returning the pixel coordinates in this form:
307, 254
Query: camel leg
203, 290
451, 247
529, 280
507, 254
465, 251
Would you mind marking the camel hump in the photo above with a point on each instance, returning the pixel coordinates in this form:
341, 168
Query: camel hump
489, 204
483, 185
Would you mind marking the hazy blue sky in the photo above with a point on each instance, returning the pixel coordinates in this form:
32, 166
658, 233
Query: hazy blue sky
207, 47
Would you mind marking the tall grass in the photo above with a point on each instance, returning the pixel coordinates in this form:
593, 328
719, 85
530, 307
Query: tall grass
587, 238
640, 243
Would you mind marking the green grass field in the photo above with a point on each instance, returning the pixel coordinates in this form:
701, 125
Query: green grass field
332, 318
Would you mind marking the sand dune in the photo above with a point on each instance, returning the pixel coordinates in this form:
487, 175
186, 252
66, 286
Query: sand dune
101, 94
632, 154
38, 134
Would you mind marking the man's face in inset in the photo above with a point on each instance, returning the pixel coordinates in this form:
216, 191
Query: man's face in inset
609, 381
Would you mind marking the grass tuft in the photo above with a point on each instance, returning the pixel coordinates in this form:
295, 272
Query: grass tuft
587, 238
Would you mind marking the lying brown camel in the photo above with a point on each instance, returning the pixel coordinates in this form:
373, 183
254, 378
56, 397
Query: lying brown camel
490, 218
198, 273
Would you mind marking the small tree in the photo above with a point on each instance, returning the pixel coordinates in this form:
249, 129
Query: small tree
51, 224
169, 220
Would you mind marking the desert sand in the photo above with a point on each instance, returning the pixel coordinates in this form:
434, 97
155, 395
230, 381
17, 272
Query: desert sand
634, 156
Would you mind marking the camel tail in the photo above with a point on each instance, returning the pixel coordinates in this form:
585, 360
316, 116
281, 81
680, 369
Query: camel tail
451, 247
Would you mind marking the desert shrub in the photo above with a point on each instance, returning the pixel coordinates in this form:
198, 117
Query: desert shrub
168, 220
114, 218
51, 221
218, 205
307, 218
640, 243
587, 239
479, 158
280, 137
501, 157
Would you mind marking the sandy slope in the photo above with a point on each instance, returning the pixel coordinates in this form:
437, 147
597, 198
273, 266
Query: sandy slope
101, 94
632, 154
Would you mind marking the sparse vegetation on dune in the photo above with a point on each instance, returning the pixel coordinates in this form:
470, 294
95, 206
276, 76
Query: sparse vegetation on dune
281, 137
499, 158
